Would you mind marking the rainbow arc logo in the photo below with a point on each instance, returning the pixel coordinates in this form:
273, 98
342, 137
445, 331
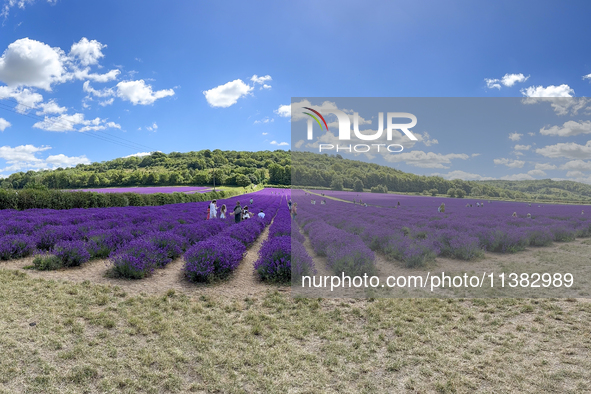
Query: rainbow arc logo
315, 118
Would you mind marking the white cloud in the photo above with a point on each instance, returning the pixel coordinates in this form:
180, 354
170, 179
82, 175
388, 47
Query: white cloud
588, 76
32, 63
265, 133
536, 173
568, 129
549, 91
569, 150
545, 166
279, 143
69, 122
517, 177
515, 136
264, 120
507, 80
561, 105
475, 154
139, 154
153, 128
466, 176
261, 80
106, 102
62, 160
226, 95
577, 165
24, 157
522, 147
531, 134
4, 124
284, 111
137, 92
509, 163
422, 159
425, 138
299, 144
50, 107
22, 153
87, 52
265, 86
8, 4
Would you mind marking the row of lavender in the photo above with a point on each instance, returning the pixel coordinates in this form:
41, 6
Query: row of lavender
282, 257
345, 252
416, 232
138, 239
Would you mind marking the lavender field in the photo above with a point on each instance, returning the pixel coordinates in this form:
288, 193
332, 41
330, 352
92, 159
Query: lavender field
149, 190
354, 237
138, 240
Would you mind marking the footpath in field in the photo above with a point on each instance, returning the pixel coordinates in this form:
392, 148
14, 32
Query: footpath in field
242, 283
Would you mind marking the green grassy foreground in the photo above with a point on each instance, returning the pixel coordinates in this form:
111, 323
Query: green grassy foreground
91, 338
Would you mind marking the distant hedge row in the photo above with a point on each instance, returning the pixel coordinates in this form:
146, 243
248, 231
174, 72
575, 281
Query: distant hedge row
57, 199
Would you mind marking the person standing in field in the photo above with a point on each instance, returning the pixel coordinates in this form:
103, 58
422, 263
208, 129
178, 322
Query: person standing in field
261, 214
223, 212
251, 201
441, 208
237, 212
213, 210
294, 210
289, 205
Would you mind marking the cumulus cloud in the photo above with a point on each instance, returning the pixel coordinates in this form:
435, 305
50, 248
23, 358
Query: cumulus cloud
62, 160
104, 103
545, 166
509, 163
25, 157
22, 153
105, 92
549, 91
568, 129
4, 124
139, 154
8, 4
153, 128
138, 92
422, 159
66, 122
284, 111
569, 150
522, 147
262, 81
226, 95
426, 139
515, 136
32, 63
536, 173
577, 165
279, 143
466, 176
87, 52
507, 80
517, 177
50, 107
588, 76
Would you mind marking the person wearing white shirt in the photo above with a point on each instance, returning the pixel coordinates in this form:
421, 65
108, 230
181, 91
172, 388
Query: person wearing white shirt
213, 210
261, 214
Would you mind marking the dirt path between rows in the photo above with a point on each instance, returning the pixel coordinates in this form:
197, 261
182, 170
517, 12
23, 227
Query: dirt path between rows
242, 283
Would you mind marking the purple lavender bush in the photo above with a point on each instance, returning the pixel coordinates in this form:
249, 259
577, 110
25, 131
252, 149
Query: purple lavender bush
71, 253
274, 262
171, 244
216, 257
16, 246
138, 259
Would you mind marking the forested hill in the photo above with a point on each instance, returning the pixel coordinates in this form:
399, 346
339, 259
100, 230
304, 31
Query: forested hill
276, 168
544, 187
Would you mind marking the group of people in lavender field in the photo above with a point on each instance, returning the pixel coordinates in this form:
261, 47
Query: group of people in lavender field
239, 212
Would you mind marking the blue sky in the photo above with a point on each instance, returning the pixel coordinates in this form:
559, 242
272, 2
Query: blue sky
85, 81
